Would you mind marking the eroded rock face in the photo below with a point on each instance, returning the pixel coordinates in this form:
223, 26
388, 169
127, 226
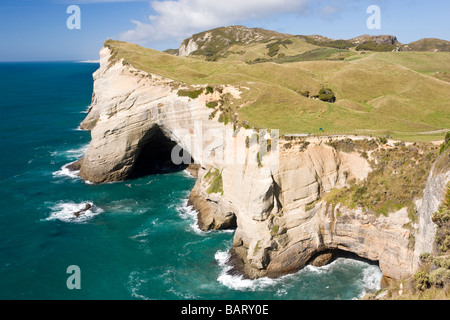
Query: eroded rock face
187, 48
274, 203
284, 239
435, 189
129, 108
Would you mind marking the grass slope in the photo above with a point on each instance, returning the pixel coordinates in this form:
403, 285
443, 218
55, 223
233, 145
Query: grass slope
392, 93
429, 44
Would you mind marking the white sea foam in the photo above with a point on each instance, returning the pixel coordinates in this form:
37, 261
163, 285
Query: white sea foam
88, 61
73, 155
281, 292
142, 236
324, 269
371, 274
135, 282
65, 211
66, 172
187, 212
369, 282
187, 174
76, 153
182, 295
86, 110
238, 282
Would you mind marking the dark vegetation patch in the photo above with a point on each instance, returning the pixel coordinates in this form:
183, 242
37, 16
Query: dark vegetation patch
373, 46
191, 93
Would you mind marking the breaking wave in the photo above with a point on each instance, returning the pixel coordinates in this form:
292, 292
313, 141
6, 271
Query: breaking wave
237, 282
66, 172
72, 155
187, 212
367, 278
67, 211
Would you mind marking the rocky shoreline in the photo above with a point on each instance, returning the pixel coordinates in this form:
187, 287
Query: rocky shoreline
275, 202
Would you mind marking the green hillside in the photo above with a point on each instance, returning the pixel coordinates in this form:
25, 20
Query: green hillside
217, 43
430, 45
377, 93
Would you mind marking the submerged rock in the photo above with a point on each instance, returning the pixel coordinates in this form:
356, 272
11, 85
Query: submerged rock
87, 207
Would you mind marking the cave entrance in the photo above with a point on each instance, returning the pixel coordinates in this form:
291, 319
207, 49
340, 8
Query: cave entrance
327, 256
154, 155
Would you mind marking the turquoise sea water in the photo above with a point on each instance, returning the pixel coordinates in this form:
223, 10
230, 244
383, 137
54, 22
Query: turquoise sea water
139, 241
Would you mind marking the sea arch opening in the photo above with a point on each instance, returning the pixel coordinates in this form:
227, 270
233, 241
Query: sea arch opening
329, 255
154, 155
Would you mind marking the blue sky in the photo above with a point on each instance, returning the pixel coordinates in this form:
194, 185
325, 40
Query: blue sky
35, 30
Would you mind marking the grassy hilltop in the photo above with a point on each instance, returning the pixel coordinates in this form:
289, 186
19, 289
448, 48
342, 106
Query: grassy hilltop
404, 94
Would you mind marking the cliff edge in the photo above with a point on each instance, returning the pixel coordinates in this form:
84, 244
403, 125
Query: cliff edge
277, 199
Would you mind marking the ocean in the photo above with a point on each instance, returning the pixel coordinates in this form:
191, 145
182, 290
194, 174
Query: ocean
139, 240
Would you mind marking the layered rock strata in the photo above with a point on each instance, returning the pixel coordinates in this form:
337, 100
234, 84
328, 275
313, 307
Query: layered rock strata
273, 200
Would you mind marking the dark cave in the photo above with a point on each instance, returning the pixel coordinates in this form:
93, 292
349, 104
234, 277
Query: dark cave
154, 155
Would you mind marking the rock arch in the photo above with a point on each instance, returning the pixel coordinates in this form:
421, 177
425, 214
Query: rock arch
153, 155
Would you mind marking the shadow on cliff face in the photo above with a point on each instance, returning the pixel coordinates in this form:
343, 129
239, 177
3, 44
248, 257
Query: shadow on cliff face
154, 155
327, 256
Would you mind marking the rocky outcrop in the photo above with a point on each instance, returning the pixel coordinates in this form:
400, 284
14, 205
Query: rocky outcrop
135, 114
220, 39
274, 199
428, 45
382, 39
437, 182
301, 226
324, 228
187, 47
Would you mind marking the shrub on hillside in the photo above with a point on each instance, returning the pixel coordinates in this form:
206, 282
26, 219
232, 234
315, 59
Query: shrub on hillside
274, 47
212, 104
442, 220
373, 46
214, 178
209, 90
193, 94
305, 93
327, 95
446, 143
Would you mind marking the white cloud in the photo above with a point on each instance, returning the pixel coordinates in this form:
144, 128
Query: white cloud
177, 20
329, 10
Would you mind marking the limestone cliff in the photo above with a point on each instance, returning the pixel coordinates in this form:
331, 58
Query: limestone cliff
437, 182
274, 200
